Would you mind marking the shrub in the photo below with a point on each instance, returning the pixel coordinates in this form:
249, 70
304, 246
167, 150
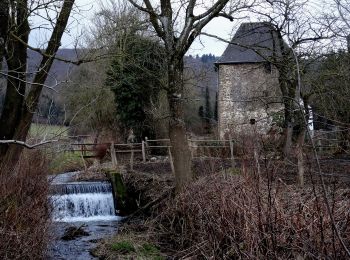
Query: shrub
231, 217
24, 209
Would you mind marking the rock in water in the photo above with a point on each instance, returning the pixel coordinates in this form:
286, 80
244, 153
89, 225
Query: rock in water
74, 232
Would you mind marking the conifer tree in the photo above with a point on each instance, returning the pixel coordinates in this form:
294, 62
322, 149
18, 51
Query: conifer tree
216, 107
135, 78
207, 110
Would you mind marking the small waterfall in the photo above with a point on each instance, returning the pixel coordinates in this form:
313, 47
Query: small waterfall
82, 187
82, 201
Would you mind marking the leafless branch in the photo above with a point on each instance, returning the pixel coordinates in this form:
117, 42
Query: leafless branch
43, 53
26, 145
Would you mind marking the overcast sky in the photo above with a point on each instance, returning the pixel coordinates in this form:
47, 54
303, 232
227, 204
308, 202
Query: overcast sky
81, 21
203, 45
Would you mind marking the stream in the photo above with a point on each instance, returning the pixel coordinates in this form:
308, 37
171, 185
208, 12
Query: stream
88, 205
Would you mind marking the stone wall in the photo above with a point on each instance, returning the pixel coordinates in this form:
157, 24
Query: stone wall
247, 91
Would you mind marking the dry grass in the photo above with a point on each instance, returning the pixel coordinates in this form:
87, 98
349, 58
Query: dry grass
147, 190
24, 209
253, 210
229, 217
238, 214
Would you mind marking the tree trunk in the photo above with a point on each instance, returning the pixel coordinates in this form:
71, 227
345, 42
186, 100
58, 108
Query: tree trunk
177, 129
12, 108
287, 83
16, 58
177, 41
288, 134
4, 21
300, 157
288, 92
21, 128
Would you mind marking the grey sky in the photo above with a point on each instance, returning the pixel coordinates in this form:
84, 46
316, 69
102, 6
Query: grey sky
82, 20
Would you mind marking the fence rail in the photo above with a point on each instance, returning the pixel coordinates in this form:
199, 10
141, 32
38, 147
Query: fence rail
146, 147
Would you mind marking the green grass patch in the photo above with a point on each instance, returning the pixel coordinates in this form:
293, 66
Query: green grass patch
148, 249
48, 131
158, 257
65, 162
123, 247
128, 246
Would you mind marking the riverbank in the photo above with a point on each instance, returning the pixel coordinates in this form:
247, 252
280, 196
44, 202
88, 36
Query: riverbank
24, 209
233, 213
133, 241
83, 214
135, 238
79, 247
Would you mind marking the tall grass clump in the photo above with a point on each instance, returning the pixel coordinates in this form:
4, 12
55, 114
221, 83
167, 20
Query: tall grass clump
24, 209
225, 216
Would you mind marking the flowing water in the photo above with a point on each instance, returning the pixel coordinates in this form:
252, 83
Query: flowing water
84, 201
87, 204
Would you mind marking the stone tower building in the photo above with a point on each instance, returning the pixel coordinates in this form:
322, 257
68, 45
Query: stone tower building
248, 83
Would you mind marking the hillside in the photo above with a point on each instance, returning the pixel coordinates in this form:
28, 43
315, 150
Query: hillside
199, 67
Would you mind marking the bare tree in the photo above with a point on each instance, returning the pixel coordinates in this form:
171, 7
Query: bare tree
298, 36
4, 14
21, 103
178, 24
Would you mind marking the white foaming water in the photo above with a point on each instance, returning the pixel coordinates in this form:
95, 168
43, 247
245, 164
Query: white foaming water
81, 205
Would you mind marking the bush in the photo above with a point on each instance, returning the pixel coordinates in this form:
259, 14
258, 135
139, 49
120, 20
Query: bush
24, 209
233, 217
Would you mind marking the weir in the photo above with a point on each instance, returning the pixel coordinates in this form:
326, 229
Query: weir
82, 187
83, 201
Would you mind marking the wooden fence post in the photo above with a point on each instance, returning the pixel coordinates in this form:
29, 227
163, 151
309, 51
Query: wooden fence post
113, 155
82, 157
132, 157
190, 142
171, 161
143, 152
147, 151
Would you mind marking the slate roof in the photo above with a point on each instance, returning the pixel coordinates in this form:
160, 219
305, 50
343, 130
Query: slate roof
252, 43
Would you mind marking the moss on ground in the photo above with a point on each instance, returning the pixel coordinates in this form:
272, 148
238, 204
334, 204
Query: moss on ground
123, 247
128, 246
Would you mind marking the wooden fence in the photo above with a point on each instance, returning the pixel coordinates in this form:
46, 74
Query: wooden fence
145, 149
328, 142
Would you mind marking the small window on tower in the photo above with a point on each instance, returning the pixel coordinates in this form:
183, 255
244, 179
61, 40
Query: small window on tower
267, 67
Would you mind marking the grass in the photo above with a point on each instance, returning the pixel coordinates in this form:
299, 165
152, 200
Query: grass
47, 131
59, 161
128, 246
252, 217
65, 161
232, 171
123, 247
24, 210
148, 249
